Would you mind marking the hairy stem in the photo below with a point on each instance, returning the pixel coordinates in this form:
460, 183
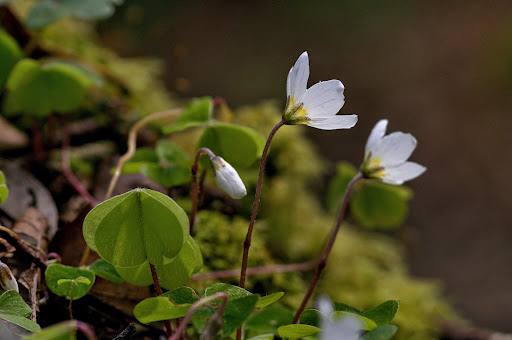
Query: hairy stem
195, 307
158, 290
195, 186
256, 203
323, 260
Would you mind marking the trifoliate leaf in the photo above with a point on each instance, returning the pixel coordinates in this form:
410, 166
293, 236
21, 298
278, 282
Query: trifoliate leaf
14, 310
105, 270
385, 332
269, 319
138, 226
70, 282
196, 113
383, 313
366, 323
159, 308
297, 331
181, 295
10, 53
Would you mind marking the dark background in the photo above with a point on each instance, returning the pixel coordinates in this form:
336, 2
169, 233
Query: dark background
441, 70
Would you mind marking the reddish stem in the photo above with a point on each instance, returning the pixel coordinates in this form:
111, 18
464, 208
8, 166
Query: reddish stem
86, 329
195, 186
158, 290
256, 203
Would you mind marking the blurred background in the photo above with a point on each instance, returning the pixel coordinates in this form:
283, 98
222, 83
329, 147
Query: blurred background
441, 70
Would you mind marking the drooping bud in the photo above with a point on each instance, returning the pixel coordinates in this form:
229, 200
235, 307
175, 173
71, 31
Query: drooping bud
7, 280
227, 178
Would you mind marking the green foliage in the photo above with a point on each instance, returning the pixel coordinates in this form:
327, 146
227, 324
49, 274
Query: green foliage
42, 89
182, 295
171, 275
196, 113
139, 225
383, 313
105, 270
235, 292
10, 53
70, 282
385, 332
372, 203
4, 191
46, 12
220, 137
62, 331
14, 310
297, 331
159, 308
167, 165
269, 320
236, 312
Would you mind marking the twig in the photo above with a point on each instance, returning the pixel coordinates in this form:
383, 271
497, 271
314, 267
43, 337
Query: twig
22, 245
158, 290
195, 307
126, 333
323, 260
264, 270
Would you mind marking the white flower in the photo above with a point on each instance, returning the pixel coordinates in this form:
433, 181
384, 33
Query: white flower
346, 328
7, 280
227, 178
318, 105
386, 156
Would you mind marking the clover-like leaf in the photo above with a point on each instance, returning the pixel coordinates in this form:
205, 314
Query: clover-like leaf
310, 317
181, 295
4, 191
70, 282
366, 323
39, 90
62, 331
196, 113
384, 332
269, 319
158, 309
14, 310
297, 331
236, 312
264, 301
10, 53
138, 226
233, 292
240, 146
106, 270
383, 313
171, 275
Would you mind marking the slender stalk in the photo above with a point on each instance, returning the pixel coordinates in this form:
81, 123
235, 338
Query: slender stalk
256, 203
158, 290
195, 307
195, 186
264, 270
132, 145
328, 248
70, 307
86, 329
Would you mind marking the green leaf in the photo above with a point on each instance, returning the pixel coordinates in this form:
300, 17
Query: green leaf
10, 53
264, 301
233, 292
14, 310
236, 312
310, 317
269, 336
238, 145
168, 175
171, 275
383, 313
269, 319
44, 13
105, 270
62, 331
297, 331
142, 156
90, 9
384, 332
196, 113
182, 295
139, 225
70, 282
338, 306
199, 257
4, 191
366, 324
158, 309
40, 90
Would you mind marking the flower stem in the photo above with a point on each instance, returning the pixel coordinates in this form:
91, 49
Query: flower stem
158, 290
323, 260
195, 307
195, 186
256, 203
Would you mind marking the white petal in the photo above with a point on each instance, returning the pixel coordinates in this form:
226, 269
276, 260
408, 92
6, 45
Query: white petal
402, 173
297, 81
347, 328
378, 131
393, 149
324, 99
334, 123
228, 179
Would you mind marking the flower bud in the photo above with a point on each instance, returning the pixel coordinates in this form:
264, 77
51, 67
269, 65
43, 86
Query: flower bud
7, 280
227, 178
